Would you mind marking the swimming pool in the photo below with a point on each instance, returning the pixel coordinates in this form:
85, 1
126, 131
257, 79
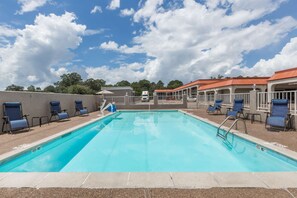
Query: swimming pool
142, 141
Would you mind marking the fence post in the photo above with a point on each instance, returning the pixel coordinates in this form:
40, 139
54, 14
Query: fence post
126, 100
185, 102
253, 101
155, 97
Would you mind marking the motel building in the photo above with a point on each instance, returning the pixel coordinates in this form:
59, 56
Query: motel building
281, 85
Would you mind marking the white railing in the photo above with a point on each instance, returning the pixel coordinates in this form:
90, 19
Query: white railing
116, 99
225, 98
169, 100
136, 100
264, 100
246, 98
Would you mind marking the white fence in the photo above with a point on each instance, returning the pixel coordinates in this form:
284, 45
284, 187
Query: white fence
226, 98
169, 100
135, 100
115, 99
246, 98
264, 100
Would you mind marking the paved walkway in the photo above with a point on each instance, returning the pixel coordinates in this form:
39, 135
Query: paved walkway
148, 193
256, 129
8, 142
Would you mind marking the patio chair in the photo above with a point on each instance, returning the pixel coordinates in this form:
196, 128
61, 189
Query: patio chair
80, 109
279, 115
216, 107
13, 117
57, 112
236, 110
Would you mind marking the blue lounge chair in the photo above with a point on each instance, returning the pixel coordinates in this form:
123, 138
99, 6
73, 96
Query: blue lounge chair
13, 117
237, 109
79, 108
279, 115
216, 107
57, 112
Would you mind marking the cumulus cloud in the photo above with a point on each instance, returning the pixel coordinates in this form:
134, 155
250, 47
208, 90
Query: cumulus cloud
30, 5
96, 9
198, 41
114, 4
285, 59
130, 72
39, 47
127, 12
111, 45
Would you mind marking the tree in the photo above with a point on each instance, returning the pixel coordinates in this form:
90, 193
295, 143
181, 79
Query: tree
93, 84
79, 89
218, 77
14, 87
136, 88
70, 79
144, 85
31, 88
174, 84
123, 83
50, 88
38, 89
160, 85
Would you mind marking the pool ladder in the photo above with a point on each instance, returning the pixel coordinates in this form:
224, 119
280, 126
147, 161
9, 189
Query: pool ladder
224, 136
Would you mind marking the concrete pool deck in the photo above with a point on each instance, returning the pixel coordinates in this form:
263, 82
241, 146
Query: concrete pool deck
147, 183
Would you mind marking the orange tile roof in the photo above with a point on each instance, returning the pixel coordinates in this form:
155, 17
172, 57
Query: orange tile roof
164, 90
197, 82
235, 81
283, 74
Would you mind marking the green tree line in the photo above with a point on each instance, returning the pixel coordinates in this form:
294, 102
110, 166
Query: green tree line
74, 84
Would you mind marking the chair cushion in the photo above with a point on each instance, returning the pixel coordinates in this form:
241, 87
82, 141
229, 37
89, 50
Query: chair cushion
211, 109
83, 111
276, 121
19, 124
232, 113
63, 115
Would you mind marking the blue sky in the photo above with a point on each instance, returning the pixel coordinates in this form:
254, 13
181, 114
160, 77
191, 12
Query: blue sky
150, 39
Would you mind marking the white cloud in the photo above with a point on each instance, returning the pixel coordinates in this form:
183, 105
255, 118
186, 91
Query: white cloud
30, 5
114, 4
96, 9
285, 59
90, 32
131, 72
198, 41
59, 72
38, 47
111, 45
127, 12
32, 78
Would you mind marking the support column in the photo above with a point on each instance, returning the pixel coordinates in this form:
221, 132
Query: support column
185, 102
232, 91
253, 101
126, 100
155, 97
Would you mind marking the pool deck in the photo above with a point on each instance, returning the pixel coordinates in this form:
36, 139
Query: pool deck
280, 184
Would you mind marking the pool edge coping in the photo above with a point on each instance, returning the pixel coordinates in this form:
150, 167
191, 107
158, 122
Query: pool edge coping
174, 180
283, 151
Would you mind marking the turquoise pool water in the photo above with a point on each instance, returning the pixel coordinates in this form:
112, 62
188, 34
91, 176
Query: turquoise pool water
157, 141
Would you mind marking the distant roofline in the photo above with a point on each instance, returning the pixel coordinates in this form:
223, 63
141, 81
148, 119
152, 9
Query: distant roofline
211, 85
285, 70
284, 74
